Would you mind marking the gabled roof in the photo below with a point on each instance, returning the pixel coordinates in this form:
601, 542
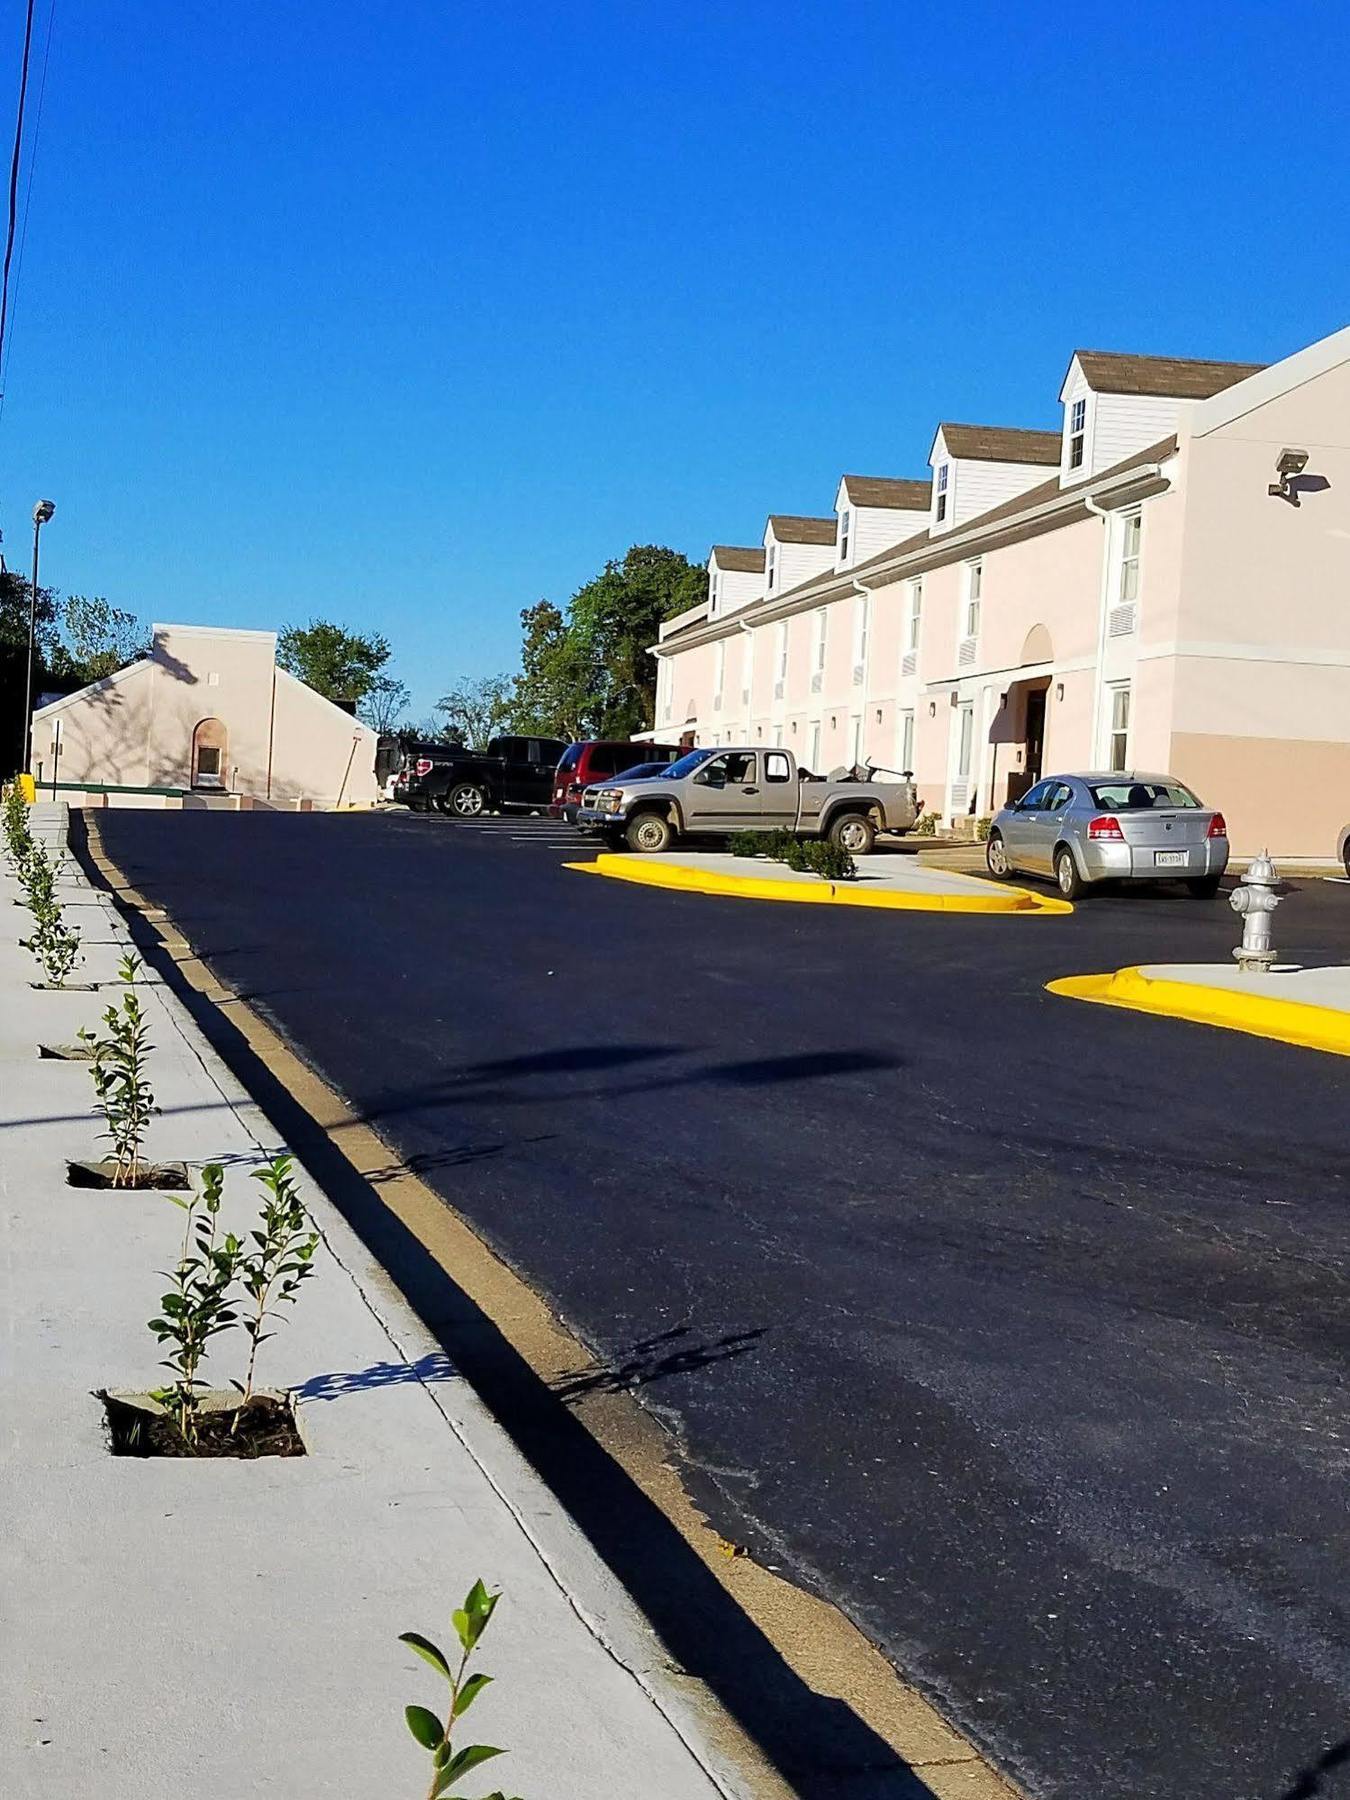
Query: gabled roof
738, 559
1001, 443
789, 528
1163, 377
878, 490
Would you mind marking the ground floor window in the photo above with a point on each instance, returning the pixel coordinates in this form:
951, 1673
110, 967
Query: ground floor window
1118, 745
855, 740
813, 754
907, 742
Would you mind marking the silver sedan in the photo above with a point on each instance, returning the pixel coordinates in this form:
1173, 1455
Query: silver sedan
1116, 826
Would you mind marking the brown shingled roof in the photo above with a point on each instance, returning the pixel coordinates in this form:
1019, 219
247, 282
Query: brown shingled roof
877, 490
788, 528
739, 559
1165, 377
1001, 443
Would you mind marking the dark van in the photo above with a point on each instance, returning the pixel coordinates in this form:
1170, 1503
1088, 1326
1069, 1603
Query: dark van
599, 759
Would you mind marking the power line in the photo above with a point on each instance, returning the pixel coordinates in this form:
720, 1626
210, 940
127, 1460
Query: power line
14, 177
27, 203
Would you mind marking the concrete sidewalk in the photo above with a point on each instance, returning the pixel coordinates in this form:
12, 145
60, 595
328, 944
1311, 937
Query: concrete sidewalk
884, 880
184, 1628
1294, 1005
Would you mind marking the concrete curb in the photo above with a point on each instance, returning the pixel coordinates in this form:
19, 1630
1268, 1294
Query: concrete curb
999, 902
1259, 1015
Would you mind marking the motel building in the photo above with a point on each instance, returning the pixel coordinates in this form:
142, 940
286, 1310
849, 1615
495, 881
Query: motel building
1162, 583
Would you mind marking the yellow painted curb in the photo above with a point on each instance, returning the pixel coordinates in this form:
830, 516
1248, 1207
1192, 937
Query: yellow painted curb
1003, 902
1297, 1022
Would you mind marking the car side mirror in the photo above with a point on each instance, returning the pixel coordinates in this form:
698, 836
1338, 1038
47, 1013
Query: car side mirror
710, 778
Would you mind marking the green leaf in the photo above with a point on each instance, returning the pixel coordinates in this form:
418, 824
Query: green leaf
426, 1650
425, 1726
472, 1688
460, 1620
469, 1758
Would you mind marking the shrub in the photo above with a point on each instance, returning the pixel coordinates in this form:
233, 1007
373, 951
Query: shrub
282, 1257
18, 837
122, 1092
196, 1308
831, 861
805, 855
749, 843
55, 944
983, 827
926, 824
447, 1763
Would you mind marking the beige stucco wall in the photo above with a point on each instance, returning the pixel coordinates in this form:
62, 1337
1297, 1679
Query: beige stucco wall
284, 742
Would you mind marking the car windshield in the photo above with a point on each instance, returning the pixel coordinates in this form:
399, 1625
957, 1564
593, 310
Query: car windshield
686, 765
1142, 796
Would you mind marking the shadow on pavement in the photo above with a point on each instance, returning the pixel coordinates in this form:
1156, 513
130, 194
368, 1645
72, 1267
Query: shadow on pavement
816, 1742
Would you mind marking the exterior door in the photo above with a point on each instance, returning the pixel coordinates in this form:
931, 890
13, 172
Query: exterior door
1034, 735
965, 750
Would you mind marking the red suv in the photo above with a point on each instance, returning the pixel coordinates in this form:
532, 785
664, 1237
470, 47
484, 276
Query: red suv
596, 759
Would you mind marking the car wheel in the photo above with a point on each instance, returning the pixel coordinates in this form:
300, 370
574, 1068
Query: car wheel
1067, 878
1203, 887
1345, 858
996, 857
466, 801
648, 834
855, 833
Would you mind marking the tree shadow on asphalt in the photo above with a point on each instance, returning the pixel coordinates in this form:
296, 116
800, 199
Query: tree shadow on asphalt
1309, 1785
656, 1359
819, 1745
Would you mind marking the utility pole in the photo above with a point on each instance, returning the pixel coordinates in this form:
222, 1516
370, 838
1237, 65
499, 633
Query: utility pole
41, 513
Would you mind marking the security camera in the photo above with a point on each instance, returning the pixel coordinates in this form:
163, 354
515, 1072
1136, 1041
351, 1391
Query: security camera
1291, 462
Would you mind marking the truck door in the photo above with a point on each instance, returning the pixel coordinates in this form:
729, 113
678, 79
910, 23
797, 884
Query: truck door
779, 794
725, 794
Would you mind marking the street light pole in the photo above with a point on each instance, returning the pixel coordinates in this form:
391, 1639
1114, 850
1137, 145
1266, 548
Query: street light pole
41, 513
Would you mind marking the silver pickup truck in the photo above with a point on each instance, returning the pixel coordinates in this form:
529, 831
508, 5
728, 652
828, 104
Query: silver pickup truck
716, 792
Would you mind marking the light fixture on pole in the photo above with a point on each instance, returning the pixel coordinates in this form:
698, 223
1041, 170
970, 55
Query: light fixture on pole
42, 512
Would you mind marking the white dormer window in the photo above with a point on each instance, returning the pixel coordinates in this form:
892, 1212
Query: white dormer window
942, 474
844, 523
712, 595
1077, 433
772, 565
974, 589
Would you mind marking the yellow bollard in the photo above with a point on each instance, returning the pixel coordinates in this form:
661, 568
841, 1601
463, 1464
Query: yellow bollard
28, 788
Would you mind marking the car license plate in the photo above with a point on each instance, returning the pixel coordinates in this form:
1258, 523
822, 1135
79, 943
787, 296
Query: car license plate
1169, 859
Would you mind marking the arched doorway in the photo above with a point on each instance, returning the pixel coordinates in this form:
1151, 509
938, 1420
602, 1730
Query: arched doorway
210, 742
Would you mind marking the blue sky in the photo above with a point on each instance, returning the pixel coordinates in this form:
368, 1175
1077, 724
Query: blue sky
406, 316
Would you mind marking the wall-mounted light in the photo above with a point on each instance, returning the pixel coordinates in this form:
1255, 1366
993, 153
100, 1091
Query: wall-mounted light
932, 709
1059, 690
878, 715
1288, 464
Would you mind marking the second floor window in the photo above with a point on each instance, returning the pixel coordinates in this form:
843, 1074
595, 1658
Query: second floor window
772, 564
915, 615
860, 621
1131, 534
942, 478
782, 652
844, 523
719, 667
974, 589
822, 621
1077, 433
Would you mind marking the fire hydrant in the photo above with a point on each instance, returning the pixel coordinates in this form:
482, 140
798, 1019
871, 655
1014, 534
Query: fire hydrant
1255, 899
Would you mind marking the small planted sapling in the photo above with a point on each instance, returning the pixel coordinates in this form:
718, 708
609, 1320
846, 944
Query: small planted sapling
18, 837
449, 1764
281, 1259
197, 1306
122, 1092
55, 944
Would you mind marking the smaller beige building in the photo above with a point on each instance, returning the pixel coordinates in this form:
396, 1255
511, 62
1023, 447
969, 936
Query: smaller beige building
207, 717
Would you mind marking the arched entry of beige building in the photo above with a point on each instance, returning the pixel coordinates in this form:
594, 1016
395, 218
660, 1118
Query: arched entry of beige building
210, 746
1020, 723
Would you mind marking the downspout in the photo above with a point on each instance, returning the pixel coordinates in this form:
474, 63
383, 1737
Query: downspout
271, 726
1104, 515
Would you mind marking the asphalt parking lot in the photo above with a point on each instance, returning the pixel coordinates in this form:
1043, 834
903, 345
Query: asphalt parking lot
1015, 1325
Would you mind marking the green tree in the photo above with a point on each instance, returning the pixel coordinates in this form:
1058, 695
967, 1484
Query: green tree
14, 659
549, 694
97, 639
476, 710
384, 704
339, 664
611, 623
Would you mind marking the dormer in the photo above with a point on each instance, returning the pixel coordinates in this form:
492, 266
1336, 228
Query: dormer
976, 467
1116, 404
795, 549
875, 513
735, 578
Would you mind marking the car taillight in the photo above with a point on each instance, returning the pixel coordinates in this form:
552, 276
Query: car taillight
1218, 826
423, 765
1106, 826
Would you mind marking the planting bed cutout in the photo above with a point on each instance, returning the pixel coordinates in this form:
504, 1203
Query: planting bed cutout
171, 1177
65, 1053
264, 1426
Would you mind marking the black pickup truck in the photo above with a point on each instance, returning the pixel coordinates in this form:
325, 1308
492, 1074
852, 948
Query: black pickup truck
511, 772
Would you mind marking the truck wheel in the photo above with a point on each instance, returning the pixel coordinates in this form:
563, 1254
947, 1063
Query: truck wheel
466, 800
649, 833
853, 832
